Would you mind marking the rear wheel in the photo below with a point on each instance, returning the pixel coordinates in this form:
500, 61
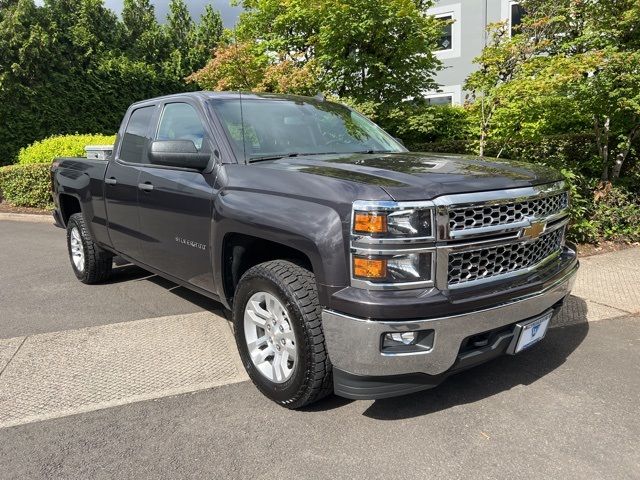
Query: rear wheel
278, 330
90, 263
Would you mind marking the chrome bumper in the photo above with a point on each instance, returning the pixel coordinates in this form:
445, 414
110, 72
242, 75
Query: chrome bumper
354, 343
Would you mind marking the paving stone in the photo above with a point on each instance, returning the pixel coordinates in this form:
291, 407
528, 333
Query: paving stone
611, 279
63, 373
577, 310
8, 348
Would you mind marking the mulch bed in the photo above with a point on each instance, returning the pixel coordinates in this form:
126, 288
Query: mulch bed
587, 250
7, 208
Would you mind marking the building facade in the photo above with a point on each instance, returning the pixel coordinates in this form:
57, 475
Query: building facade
464, 35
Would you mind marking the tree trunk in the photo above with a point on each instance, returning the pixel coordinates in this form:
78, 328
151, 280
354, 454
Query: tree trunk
602, 137
622, 156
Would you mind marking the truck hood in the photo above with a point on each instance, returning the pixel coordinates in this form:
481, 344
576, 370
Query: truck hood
421, 176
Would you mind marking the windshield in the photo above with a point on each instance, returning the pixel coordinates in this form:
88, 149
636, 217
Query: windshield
274, 127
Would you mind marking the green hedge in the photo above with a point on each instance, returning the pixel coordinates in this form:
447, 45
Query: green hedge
26, 185
577, 151
44, 151
84, 100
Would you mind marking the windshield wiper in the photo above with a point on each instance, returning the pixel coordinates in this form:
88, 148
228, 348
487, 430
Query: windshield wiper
261, 158
375, 151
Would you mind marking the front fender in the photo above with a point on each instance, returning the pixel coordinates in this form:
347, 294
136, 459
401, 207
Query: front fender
312, 228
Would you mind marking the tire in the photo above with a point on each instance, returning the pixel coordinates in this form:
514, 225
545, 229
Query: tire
294, 287
90, 263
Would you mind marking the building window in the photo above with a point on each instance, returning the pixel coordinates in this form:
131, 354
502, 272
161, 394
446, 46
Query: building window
512, 13
446, 95
449, 43
517, 12
446, 37
440, 100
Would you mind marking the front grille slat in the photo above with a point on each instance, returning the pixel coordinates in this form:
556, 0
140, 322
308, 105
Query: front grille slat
489, 262
478, 216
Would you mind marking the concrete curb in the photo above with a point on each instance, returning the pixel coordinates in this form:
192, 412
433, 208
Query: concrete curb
26, 217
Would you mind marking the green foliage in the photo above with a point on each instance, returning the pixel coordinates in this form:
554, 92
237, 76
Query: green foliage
419, 123
247, 66
567, 56
26, 185
73, 66
611, 214
370, 51
61, 146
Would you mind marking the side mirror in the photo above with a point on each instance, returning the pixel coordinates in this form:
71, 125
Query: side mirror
178, 153
399, 141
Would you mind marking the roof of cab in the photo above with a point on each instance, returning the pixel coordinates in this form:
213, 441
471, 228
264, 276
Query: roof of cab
208, 95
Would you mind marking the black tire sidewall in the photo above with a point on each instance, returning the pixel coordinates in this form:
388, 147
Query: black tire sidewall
294, 387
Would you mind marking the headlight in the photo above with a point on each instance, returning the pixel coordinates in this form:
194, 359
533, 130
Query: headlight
392, 245
392, 220
394, 268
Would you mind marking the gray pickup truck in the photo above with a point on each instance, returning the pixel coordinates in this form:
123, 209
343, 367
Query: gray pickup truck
350, 264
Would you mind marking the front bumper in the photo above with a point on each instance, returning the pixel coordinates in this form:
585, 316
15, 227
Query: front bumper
354, 344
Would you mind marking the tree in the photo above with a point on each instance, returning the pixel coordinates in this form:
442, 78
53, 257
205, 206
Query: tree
144, 39
206, 37
366, 50
246, 66
573, 64
179, 26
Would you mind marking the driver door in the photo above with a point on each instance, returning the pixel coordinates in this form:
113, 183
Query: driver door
175, 203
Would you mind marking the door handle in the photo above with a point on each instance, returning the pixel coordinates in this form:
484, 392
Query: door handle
145, 187
110, 181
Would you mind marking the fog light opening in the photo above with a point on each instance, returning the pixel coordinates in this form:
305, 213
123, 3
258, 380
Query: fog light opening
407, 342
404, 338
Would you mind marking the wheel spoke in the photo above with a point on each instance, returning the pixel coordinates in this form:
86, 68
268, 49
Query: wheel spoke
292, 353
260, 356
261, 312
255, 318
276, 365
255, 344
289, 336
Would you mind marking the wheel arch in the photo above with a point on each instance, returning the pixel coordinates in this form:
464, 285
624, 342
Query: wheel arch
69, 204
242, 251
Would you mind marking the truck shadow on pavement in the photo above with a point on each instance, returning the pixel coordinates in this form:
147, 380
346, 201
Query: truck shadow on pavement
129, 272
568, 330
499, 375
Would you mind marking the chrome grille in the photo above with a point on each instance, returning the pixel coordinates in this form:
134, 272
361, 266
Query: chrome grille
483, 263
467, 218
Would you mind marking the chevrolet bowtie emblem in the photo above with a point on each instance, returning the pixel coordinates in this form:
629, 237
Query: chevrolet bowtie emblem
534, 230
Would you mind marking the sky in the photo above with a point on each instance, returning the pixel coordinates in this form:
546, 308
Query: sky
229, 13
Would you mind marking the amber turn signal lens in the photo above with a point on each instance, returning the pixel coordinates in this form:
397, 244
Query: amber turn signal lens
369, 222
369, 268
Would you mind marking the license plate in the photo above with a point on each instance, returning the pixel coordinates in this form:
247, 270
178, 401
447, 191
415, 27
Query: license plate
532, 331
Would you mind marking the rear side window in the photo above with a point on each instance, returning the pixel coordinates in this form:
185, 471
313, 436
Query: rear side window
136, 135
180, 121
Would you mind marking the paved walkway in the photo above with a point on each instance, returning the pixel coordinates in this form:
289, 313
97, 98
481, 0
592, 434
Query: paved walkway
56, 374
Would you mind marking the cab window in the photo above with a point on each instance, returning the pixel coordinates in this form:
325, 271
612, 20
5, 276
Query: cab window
180, 121
136, 136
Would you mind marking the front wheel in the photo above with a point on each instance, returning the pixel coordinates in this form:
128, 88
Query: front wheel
278, 330
90, 263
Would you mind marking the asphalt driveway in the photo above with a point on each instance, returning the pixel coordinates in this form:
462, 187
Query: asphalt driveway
567, 408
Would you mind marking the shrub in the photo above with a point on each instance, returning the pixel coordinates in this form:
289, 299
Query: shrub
419, 122
26, 185
44, 151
